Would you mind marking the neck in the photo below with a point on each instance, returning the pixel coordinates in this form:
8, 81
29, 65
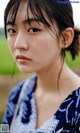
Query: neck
48, 77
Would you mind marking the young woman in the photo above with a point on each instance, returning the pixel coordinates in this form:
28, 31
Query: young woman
38, 33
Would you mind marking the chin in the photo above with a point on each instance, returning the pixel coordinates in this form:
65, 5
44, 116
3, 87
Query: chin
29, 69
26, 69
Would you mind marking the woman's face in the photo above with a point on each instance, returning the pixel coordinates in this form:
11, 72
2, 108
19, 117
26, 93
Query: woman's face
34, 47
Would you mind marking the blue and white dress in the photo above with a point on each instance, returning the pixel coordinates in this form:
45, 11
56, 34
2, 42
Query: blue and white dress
65, 120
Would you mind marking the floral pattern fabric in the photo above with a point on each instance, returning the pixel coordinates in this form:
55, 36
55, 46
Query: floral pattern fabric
65, 120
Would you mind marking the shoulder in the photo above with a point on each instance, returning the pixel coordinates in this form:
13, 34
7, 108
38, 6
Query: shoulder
73, 106
76, 99
73, 109
70, 111
12, 101
14, 96
77, 106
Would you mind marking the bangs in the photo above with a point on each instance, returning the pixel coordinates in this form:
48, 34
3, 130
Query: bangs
38, 11
46, 13
11, 11
36, 7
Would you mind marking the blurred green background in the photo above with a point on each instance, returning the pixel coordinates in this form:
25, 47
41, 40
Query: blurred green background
10, 75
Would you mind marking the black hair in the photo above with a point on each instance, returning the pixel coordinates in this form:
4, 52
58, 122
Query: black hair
59, 10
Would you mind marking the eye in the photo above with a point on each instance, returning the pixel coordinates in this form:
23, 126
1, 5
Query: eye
11, 31
33, 30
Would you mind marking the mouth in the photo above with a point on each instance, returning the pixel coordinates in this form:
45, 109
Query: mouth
22, 59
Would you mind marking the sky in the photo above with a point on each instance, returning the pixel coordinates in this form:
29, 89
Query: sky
76, 11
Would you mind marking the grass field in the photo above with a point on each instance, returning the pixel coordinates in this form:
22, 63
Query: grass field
73, 64
7, 65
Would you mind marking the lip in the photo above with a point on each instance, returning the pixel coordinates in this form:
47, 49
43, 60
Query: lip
22, 59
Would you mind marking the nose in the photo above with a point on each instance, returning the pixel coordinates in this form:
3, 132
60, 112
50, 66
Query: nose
21, 42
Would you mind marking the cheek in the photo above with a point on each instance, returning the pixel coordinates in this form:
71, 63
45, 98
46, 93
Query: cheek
47, 49
45, 45
39, 49
10, 44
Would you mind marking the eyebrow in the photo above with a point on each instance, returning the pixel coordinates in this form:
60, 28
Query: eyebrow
31, 20
9, 23
26, 21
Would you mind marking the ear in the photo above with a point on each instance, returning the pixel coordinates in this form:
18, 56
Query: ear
68, 35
